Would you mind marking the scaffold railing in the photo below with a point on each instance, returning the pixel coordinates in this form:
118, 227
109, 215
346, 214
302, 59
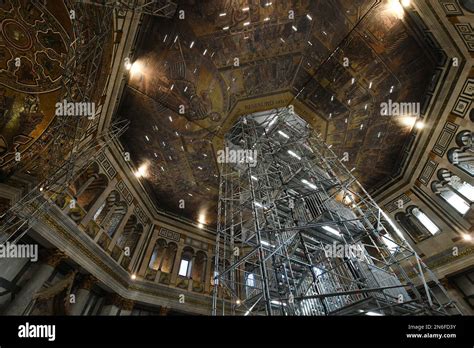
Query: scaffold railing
298, 235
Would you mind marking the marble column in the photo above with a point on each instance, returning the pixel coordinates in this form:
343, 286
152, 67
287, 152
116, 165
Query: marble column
190, 278
149, 251
42, 272
84, 187
136, 257
177, 261
82, 294
160, 259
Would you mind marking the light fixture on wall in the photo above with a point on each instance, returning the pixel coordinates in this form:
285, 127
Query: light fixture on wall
407, 121
201, 220
395, 7
467, 237
142, 171
136, 69
419, 125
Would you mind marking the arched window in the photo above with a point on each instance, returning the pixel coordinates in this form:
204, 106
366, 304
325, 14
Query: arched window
463, 156
185, 265
425, 221
131, 235
455, 201
463, 188
416, 224
456, 192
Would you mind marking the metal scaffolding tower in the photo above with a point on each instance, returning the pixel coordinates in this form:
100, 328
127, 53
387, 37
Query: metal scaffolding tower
298, 235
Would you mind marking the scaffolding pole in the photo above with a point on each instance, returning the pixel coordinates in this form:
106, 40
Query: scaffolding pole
298, 235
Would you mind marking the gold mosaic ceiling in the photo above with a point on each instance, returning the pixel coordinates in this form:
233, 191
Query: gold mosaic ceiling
281, 61
34, 40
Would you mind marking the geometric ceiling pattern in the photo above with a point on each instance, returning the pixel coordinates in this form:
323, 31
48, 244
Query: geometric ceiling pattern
228, 58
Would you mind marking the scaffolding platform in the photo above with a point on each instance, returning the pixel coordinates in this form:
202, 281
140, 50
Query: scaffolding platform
298, 235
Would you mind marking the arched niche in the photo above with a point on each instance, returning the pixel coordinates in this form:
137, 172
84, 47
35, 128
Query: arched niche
463, 155
199, 268
158, 254
168, 260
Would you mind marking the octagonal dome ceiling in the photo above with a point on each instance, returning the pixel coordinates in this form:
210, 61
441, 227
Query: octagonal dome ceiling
336, 61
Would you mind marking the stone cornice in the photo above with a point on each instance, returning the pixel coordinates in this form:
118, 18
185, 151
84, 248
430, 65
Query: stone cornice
443, 96
66, 236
